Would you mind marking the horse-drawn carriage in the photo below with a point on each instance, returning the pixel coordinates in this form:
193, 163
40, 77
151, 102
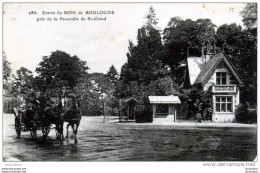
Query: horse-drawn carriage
30, 117
22, 124
42, 114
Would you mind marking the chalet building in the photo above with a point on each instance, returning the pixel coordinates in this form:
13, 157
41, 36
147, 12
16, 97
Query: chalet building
215, 73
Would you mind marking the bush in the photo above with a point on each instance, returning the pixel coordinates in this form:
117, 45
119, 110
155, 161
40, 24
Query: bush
144, 114
245, 114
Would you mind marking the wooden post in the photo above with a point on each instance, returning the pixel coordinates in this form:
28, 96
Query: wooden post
175, 114
104, 112
127, 112
120, 114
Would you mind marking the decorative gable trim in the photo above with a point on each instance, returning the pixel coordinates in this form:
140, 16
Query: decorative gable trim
212, 64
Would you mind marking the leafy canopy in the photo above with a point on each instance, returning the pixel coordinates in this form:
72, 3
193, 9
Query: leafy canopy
61, 68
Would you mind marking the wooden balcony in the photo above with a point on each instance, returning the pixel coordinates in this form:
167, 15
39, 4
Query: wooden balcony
224, 89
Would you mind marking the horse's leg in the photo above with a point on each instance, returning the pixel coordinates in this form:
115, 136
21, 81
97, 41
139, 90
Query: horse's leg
61, 130
75, 132
72, 125
67, 134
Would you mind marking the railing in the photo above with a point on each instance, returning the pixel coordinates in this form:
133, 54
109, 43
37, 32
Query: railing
224, 88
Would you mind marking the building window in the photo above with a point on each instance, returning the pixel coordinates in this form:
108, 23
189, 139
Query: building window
224, 104
162, 109
221, 78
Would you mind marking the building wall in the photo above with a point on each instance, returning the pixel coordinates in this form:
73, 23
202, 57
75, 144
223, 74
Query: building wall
220, 116
223, 117
170, 117
212, 79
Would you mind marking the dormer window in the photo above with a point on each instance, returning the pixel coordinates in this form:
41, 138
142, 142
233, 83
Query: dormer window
221, 78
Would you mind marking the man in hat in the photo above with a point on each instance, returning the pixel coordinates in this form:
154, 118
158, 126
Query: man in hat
44, 102
32, 108
63, 104
20, 101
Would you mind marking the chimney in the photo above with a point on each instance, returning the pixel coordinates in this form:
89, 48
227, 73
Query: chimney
202, 50
209, 51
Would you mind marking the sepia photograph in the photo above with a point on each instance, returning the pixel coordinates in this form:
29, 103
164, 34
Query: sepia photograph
121, 82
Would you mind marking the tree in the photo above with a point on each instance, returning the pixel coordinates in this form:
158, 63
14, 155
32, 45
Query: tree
6, 74
249, 14
6, 68
241, 47
61, 67
228, 38
96, 93
184, 38
24, 79
151, 20
112, 75
144, 64
89, 96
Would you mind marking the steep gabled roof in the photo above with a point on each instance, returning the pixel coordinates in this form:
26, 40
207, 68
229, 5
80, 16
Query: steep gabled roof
130, 99
212, 64
195, 64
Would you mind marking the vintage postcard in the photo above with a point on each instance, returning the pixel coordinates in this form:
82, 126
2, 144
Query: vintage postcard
121, 82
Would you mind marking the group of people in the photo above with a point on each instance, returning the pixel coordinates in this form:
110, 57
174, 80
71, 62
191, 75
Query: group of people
35, 107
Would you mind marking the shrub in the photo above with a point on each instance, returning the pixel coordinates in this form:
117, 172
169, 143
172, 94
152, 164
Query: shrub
144, 114
245, 114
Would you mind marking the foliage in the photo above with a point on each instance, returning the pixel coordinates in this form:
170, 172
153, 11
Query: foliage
143, 60
96, 94
188, 98
182, 35
143, 63
228, 35
245, 114
249, 15
241, 47
24, 79
112, 75
62, 67
6, 75
151, 20
161, 86
6, 68
144, 113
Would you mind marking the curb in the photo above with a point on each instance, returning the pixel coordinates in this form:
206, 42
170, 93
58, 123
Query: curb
215, 125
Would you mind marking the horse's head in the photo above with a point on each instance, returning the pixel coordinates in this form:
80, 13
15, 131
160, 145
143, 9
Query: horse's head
75, 103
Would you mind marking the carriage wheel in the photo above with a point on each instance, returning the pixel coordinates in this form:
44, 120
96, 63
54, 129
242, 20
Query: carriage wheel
45, 131
17, 127
33, 131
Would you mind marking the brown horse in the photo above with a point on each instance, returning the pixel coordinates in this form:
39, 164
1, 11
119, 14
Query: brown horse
73, 117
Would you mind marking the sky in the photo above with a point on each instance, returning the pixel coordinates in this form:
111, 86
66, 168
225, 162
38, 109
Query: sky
100, 43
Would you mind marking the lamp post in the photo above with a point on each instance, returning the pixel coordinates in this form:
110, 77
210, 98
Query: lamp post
104, 108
